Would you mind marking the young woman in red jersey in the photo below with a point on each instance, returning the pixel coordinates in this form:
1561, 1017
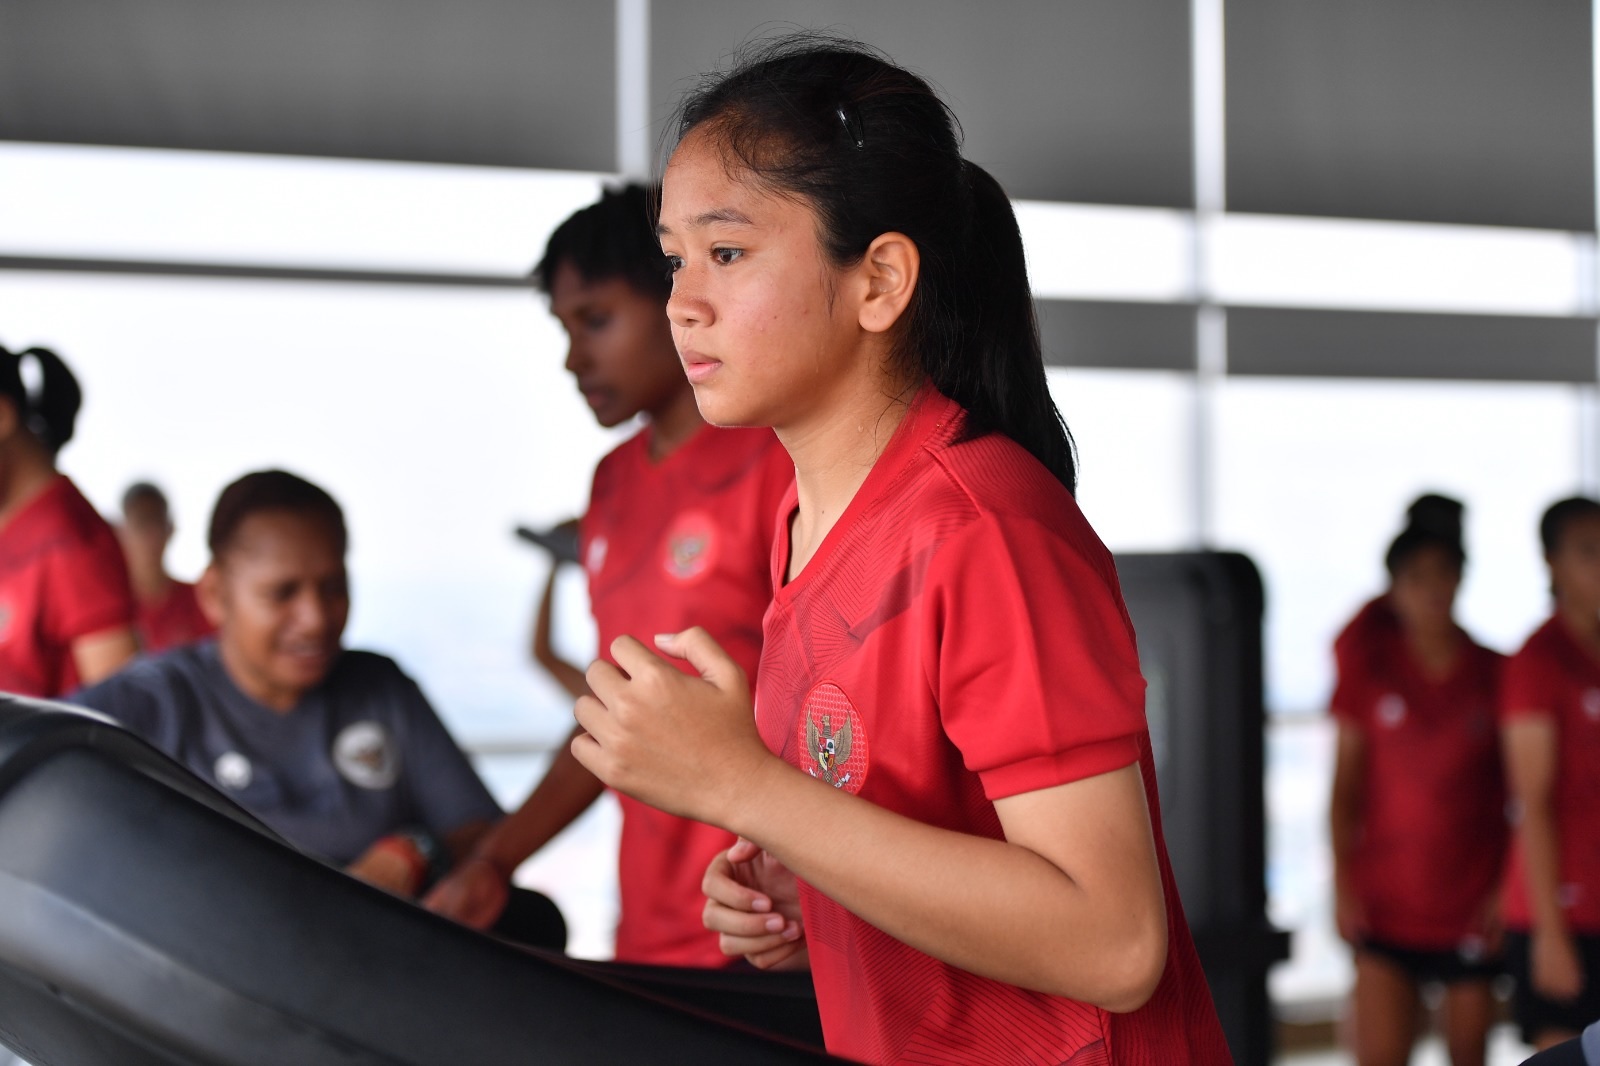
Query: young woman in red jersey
1550, 707
678, 528
168, 612
1418, 804
946, 797
66, 611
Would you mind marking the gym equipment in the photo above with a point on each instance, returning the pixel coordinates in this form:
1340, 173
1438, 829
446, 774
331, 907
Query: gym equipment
1198, 620
145, 920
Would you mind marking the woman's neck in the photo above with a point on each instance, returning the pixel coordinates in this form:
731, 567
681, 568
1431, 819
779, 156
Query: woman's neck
28, 472
834, 453
1583, 622
1436, 649
674, 423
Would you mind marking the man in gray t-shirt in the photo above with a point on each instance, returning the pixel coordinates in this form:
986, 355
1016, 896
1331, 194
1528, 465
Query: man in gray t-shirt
337, 750
361, 756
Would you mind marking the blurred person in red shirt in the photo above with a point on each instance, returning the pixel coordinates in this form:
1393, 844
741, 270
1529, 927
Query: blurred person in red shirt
1418, 822
66, 609
168, 611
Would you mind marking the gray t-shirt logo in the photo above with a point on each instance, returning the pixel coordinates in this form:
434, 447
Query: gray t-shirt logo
366, 756
233, 771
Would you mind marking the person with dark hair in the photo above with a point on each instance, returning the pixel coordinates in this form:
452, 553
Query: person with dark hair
1550, 727
679, 528
66, 610
1418, 824
337, 750
1375, 623
168, 610
945, 795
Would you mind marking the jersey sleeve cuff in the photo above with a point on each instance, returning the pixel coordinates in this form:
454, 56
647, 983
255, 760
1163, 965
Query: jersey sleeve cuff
1516, 711
1060, 768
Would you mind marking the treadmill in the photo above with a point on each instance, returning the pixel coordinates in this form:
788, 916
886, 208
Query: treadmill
147, 920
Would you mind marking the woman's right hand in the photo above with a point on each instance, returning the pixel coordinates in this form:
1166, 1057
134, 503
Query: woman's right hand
474, 894
753, 902
1557, 973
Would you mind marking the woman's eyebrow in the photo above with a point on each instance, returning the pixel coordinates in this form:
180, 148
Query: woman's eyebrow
725, 215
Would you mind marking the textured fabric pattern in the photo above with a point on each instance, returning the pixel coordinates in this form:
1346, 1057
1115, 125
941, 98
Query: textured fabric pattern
972, 620
363, 755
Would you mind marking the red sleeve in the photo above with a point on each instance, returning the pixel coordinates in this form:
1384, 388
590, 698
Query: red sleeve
89, 590
1038, 679
1529, 685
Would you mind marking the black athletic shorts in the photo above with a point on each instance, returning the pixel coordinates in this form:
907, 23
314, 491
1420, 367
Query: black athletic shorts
1534, 1013
1425, 966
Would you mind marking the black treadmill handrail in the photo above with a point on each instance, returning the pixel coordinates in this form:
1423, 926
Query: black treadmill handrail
33, 730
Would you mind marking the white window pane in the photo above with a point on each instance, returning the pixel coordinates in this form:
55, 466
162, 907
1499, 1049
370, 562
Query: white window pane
1351, 263
1132, 429
75, 201
1086, 251
1313, 479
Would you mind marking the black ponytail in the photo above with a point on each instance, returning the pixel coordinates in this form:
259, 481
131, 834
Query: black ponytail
50, 411
999, 377
874, 150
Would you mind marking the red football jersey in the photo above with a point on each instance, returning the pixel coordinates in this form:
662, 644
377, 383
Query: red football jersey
958, 638
670, 545
1373, 627
1433, 827
1553, 676
62, 577
177, 619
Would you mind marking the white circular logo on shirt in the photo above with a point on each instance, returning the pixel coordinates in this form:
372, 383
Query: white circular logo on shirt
233, 771
365, 756
1591, 704
596, 556
1391, 710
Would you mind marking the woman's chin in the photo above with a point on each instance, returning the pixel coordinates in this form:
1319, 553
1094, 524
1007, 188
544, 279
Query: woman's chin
724, 411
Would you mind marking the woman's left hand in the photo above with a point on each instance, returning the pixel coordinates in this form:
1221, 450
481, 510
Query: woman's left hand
683, 744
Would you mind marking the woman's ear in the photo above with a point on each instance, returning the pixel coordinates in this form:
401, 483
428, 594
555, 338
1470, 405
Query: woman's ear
210, 594
891, 267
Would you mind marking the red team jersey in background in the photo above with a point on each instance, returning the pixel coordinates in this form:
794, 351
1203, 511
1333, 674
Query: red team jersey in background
958, 638
62, 577
1373, 628
1554, 677
1433, 827
669, 545
175, 621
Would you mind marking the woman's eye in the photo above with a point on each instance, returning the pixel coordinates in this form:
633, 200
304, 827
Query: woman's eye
726, 256
596, 322
674, 264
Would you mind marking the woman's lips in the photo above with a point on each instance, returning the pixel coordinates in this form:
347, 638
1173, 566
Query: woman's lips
699, 367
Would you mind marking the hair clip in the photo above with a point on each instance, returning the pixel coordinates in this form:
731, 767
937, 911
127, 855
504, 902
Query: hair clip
850, 119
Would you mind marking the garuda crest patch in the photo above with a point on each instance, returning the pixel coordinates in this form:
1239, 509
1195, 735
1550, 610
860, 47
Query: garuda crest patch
692, 546
833, 739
